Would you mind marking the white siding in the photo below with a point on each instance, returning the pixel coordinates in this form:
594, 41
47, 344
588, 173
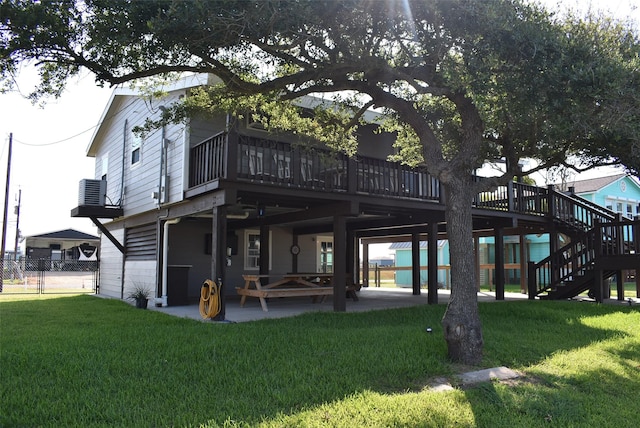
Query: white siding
141, 273
200, 130
141, 179
111, 265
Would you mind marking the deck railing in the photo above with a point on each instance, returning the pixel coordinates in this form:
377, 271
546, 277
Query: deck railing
619, 238
208, 160
283, 164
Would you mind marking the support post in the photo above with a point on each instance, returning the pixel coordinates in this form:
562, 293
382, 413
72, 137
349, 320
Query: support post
432, 290
499, 253
523, 264
365, 264
415, 263
619, 286
339, 263
219, 256
531, 280
264, 249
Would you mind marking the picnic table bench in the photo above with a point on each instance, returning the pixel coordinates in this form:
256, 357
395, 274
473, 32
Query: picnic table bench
289, 285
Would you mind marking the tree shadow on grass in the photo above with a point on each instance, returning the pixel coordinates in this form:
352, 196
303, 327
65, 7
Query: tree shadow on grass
587, 376
596, 397
176, 371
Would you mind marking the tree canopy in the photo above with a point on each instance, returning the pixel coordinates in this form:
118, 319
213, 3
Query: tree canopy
462, 82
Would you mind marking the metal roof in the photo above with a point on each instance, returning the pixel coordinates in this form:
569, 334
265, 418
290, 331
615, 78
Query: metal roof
407, 245
69, 234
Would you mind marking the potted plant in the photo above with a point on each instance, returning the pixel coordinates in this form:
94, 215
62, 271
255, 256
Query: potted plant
140, 294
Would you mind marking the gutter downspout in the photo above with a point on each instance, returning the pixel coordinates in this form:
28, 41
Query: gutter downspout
162, 178
165, 258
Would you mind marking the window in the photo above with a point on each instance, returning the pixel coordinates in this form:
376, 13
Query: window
326, 256
252, 254
255, 162
624, 206
282, 163
136, 147
306, 169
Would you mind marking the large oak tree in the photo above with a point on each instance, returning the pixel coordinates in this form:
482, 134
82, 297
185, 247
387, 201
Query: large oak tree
463, 82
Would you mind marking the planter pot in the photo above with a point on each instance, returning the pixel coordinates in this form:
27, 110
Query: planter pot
142, 303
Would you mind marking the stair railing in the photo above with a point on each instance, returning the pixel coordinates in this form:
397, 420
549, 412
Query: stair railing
576, 257
576, 212
570, 261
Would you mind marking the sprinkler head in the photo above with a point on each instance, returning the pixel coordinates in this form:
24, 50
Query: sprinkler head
429, 330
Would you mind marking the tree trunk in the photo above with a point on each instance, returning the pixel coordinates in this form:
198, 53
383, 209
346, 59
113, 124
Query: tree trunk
461, 321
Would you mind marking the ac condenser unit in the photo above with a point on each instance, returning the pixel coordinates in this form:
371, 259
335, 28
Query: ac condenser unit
92, 192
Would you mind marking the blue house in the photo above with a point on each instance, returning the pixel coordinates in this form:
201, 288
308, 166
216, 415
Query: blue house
619, 193
403, 259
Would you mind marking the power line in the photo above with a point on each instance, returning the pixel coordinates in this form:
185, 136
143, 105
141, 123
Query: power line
78, 134
59, 141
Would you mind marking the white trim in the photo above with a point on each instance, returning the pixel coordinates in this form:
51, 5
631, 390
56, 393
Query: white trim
245, 261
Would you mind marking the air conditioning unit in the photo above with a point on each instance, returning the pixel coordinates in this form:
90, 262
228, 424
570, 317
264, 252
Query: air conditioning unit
92, 192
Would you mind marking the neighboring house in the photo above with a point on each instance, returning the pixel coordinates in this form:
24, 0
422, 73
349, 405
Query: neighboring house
403, 259
219, 198
619, 193
382, 261
63, 245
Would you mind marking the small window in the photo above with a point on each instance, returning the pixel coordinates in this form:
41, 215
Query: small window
136, 146
326, 256
252, 259
252, 253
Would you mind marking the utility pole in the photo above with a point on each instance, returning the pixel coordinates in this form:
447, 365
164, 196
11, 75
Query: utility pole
15, 246
6, 209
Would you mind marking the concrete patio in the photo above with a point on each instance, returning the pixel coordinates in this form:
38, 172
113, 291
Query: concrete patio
369, 299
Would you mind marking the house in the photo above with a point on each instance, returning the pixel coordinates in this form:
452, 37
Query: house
403, 252
219, 198
619, 193
63, 245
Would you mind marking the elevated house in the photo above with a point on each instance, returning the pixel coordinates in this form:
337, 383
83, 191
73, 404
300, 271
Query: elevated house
618, 193
222, 199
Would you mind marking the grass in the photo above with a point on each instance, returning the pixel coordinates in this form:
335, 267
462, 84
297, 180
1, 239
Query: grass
85, 361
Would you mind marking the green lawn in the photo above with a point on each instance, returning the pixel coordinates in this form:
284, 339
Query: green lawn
91, 362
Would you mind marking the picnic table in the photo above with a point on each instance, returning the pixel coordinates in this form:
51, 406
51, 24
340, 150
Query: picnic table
288, 285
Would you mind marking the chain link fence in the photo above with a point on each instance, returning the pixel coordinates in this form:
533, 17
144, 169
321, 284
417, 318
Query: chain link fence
50, 276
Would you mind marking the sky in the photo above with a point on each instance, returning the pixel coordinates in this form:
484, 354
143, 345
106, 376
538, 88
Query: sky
49, 145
